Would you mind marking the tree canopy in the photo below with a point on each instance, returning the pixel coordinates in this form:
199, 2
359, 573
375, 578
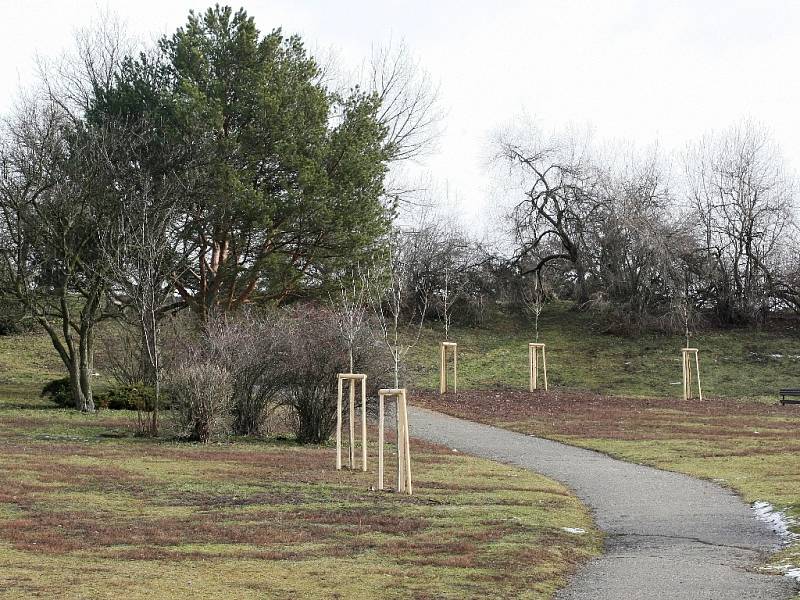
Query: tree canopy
287, 175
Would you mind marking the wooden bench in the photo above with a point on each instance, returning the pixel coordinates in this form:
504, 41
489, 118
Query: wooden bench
794, 393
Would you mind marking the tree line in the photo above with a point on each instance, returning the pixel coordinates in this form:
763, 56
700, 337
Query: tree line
712, 236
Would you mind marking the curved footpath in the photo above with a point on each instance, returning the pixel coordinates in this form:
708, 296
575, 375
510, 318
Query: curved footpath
668, 536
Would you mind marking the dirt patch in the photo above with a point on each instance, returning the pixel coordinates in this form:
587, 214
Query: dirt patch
584, 414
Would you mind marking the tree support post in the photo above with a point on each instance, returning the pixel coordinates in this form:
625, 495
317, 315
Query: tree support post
403, 446
352, 378
687, 354
533, 364
444, 349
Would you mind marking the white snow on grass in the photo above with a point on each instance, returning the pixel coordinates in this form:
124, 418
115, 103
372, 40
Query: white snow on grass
776, 519
793, 573
781, 524
575, 530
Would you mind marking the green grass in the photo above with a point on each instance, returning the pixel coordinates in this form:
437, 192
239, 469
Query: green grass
87, 510
733, 363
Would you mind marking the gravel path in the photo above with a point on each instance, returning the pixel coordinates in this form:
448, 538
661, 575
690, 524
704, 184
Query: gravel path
669, 536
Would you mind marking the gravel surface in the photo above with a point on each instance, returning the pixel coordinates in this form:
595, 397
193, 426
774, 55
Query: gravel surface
669, 536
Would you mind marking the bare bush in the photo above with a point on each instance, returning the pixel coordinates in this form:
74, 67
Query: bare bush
317, 353
254, 348
202, 394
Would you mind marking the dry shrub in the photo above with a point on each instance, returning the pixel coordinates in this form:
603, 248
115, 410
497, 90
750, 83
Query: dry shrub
254, 348
202, 395
317, 353
255, 372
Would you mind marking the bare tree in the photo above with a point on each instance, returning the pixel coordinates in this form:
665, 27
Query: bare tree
408, 101
533, 300
74, 79
560, 206
49, 182
447, 303
743, 202
411, 115
390, 295
351, 307
139, 245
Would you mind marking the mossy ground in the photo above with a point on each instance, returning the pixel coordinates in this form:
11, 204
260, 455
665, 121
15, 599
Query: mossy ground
87, 510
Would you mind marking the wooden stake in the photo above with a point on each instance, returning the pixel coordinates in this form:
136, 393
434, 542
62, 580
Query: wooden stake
352, 424
407, 444
364, 424
444, 347
683, 365
339, 427
380, 440
351, 378
455, 370
531, 380
544, 366
686, 354
403, 446
401, 458
697, 363
533, 365
442, 370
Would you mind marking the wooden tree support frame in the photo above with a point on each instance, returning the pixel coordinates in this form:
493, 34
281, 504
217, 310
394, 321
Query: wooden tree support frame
403, 447
687, 372
352, 378
444, 349
533, 364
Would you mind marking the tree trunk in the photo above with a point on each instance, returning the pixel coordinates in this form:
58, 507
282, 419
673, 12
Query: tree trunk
85, 369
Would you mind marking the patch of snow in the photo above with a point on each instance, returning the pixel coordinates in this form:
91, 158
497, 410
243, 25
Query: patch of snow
793, 573
575, 530
776, 519
675, 382
776, 355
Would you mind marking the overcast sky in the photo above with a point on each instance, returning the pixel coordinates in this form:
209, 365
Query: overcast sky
638, 70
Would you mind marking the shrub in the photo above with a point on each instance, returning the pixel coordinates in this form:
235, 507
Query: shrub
131, 397
59, 391
201, 400
316, 355
253, 347
12, 319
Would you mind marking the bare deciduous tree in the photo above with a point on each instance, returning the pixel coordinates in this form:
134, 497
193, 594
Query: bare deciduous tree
743, 201
533, 300
351, 307
560, 206
139, 245
408, 101
390, 295
49, 182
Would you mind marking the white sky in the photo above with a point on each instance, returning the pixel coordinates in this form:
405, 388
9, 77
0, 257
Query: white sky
638, 70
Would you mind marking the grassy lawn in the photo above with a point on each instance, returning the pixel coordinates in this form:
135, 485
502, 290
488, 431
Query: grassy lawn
733, 363
87, 510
